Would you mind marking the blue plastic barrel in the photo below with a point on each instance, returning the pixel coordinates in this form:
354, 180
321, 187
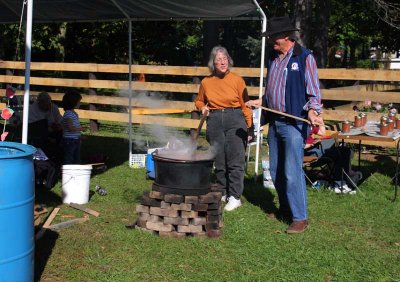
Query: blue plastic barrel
151, 173
17, 195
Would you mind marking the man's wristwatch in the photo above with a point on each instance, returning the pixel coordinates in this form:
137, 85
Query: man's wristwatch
317, 113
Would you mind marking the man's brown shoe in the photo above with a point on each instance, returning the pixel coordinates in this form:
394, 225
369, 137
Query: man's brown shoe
297, 227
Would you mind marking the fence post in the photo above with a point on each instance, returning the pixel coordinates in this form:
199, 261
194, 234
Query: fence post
94, 124
194, 114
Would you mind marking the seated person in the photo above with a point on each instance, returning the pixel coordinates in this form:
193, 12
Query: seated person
341, 157
44, 108
45, 129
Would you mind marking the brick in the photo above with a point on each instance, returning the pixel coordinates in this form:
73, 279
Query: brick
144, 229
159, 226
189, 214
181, 207
163, 212
212, 218
213, 233
172, 234
217, 188
200, 207
176, 220
144, 215
212, 197
146, 200
214, 212
155, 218
212, 225
165, 205
214, 206
141, 223
156, 195
142, 208
173, 198
198, 221
191, 199
200, 234
190, 228
202, 213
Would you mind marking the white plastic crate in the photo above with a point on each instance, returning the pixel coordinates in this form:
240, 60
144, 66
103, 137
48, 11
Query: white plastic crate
137, 160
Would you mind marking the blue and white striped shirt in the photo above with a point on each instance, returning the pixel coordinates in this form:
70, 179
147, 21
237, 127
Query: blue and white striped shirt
73, 116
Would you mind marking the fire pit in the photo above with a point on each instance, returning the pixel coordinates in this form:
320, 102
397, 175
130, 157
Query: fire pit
182, 201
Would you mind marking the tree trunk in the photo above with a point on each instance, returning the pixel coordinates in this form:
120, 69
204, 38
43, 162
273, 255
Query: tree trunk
210, 39
302, 21
320, 32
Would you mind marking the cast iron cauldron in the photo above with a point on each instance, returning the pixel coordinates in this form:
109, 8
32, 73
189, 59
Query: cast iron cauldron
183, 177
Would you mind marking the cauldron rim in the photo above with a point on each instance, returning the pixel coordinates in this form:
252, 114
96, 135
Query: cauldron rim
165, 159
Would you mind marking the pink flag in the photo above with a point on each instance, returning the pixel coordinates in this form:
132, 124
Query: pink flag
6, 113
10, 91
4, 135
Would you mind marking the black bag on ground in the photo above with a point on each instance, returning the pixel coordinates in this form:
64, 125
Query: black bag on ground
45, 174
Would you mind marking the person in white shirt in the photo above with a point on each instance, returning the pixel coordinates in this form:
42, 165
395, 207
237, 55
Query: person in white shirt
44, 108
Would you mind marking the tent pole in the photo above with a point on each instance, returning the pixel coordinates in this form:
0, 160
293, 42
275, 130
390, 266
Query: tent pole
28, 45
260, 93
130, 90
129, 75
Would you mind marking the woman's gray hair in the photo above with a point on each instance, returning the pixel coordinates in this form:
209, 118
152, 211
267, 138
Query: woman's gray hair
214, 53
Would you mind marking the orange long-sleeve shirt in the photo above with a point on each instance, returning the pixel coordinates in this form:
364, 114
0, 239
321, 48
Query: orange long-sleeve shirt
227, 92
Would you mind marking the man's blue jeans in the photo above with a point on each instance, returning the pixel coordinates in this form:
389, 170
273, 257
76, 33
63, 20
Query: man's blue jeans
286, 149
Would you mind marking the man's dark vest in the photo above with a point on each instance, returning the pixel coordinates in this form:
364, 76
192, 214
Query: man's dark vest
295, 91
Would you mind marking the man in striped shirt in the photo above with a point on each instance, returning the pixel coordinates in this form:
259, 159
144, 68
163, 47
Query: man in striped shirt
293, 88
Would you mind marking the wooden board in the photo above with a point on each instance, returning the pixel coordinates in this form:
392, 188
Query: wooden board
84, 209
68, 223
340, 74
47, 223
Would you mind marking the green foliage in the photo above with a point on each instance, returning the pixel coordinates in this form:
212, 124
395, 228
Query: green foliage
364, 64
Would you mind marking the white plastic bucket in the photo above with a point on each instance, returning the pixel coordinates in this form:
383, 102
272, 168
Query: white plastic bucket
75, 183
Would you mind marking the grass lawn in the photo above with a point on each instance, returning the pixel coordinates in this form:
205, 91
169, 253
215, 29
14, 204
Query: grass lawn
351, 237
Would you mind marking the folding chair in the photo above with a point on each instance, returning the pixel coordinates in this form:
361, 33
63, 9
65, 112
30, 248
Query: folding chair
317, 167
258, 134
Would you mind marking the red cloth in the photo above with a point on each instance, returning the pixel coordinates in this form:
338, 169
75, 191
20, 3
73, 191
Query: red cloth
310, 139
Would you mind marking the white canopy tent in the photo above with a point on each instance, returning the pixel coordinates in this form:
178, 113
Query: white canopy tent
130, 10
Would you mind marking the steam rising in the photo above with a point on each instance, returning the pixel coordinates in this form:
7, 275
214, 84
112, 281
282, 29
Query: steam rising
175, 144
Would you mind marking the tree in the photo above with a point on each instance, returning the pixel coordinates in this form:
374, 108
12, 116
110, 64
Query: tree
388, 11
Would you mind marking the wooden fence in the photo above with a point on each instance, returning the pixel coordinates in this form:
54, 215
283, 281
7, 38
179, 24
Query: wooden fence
373, 86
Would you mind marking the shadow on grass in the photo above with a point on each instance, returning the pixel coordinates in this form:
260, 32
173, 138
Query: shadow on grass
256, 194
114, 149
43, 249
49, 198
383, 164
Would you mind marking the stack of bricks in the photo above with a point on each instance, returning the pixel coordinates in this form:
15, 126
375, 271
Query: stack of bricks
178, 216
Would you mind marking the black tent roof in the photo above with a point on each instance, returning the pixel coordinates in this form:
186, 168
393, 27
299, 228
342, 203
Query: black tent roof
101, 10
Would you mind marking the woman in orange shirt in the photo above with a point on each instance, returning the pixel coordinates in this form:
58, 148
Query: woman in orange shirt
222, 96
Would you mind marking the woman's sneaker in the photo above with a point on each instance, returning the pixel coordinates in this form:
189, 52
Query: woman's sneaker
232, 204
